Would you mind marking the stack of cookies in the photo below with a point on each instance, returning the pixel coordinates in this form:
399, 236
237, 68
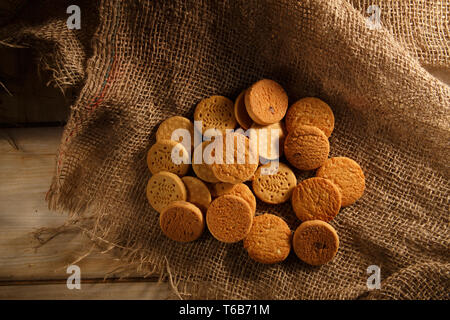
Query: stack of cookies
195, 183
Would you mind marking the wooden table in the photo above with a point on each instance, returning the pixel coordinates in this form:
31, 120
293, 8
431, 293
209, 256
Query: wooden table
27, 160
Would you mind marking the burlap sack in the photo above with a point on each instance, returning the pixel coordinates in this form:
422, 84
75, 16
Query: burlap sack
138, 62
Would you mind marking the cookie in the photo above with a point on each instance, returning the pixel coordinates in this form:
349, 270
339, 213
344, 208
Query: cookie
159, 158
215, 112
266, 102
316, 199
274, 184
269, 240
239, 163
163, 188
220, 188
240, 112
168, 127
241, 190
306, 147
197, 192
348, 177
182, 221
202, 169
315, 242
270, 145
310, 112
229, 218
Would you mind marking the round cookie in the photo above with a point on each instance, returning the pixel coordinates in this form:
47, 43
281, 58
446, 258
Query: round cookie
266, 102
306, 148
197, 192
348, 177
267, 142
203, 170
241, 190
163, 188
168, 126
159, 158
311, 112
215, 112
316, 199
269, 240
221, 188
240, 112
182, 221
273, 185
229, 218
236, 172
315, 242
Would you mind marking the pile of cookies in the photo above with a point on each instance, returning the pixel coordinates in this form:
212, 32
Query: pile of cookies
214, 193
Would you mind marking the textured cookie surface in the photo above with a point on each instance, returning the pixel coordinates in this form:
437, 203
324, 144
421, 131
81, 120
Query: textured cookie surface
240, 112
159, 158
168, 127
182, 221
270, 140
316, 199
239, 161
347, 175
215, 112
229, 218
306, 147
241, 190
197, 192
269, 240
266, 102
163, 188
311, 112
202, 169
315, 242
274, 184
221, 188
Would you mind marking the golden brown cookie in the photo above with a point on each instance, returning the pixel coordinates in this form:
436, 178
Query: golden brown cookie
310, 112
316, 199
159, 158
168, 126
239, 163
315, 242
215, 112
202, 169
241, 190
164, 188
348, 177
182, 221
221, 188
240, 112
197, 192
269, 240
266, 102
229, 218
306, 147
270, 145
274, 184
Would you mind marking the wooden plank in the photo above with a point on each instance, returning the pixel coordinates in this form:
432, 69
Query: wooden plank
25, 176
100, 291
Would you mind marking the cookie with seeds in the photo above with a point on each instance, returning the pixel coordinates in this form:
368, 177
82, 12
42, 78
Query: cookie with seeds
168, 127
168, 155
316, 199
306, 147
216, 112
240, 112
266, 102
202, 169
182, 221
315, 242
269, 240
348, 177
229, 218
273, 183
197, 192
311, 112
163, 188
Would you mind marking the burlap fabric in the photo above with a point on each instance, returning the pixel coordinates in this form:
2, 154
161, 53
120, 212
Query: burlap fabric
138, 62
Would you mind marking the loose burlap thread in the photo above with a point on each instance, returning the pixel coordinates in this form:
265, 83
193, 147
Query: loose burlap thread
138, 62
